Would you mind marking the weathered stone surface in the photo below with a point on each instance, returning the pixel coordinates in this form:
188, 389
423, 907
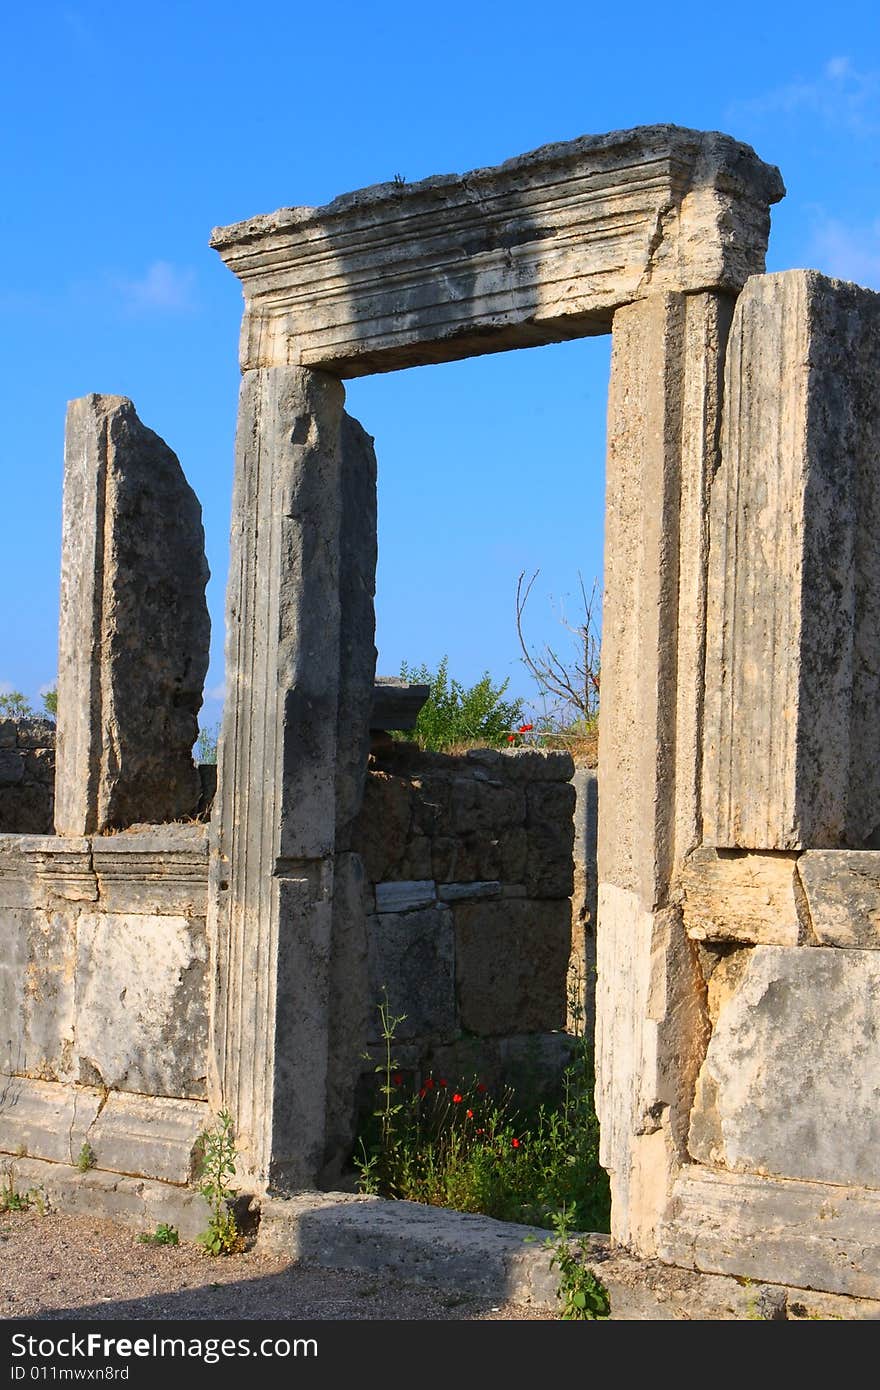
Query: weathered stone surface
789, 1084
135, 1203
403, 897
584, 904
459, 892
650, 1039
663, 418
149, 1136
396, 703
792, 741
150, 870
808, 1234
484, 807
11, 767
413, 954
37, 972
519, 765
741, 897
381, 832
842, 889
41, 1119
300, 664
540, 249
134, 628
35, 869
141, 1003
511, 960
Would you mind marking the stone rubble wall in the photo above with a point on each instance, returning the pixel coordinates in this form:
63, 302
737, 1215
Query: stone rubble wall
27, 776
468, 866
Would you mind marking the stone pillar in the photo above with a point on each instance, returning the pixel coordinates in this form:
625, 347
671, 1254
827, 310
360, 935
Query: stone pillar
134, 630
792, 742
663, 414
285, 914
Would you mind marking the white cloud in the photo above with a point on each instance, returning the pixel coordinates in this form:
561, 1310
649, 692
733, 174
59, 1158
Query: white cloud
5, 688
163, 288
841, 95
49, 685
216, 692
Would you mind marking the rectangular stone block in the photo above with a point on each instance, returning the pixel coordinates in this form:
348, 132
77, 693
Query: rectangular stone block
539, 249
142, 1003
842, 889
807, 1234
413, 954
511, 964
161, 870
134, 630
42, 1119
460, 892
404, 897
741, 897
149, 1136
37, 968
788, 1087
791, 754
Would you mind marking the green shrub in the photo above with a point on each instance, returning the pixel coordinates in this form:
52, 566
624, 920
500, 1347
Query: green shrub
454, 714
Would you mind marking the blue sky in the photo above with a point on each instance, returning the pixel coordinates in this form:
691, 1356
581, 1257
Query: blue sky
129, 131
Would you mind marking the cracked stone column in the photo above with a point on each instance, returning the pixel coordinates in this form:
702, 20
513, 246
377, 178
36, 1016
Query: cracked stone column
663, 412
286, 919
134, 631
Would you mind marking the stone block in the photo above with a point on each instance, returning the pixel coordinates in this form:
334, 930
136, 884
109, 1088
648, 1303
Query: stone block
149, 1136
536, 250
809, 1234
461, 892
37, 968
741, 896
157, 870
792, 739
522, 765
413, 954
11, 767
404, 897
842, 889
134, 629
511, 960
788, 1087
483, 807
141, 1003
42, 1119
35, 733
381, 832
8, 734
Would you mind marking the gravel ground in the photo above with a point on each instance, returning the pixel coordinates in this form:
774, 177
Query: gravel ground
57, 1266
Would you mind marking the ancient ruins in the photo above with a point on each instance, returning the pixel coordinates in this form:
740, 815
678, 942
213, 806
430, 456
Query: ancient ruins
154, 969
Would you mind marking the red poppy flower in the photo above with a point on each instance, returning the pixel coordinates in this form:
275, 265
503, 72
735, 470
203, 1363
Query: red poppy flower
441, 1082
422, 1093
481, 1086
457, 1098
398, 1078
481, 1131
429, 1084
526, 728
515, 1143
511, 738
470, 1115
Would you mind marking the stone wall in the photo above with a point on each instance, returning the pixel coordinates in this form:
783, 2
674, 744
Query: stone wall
27, 776
469, 875
104, 997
